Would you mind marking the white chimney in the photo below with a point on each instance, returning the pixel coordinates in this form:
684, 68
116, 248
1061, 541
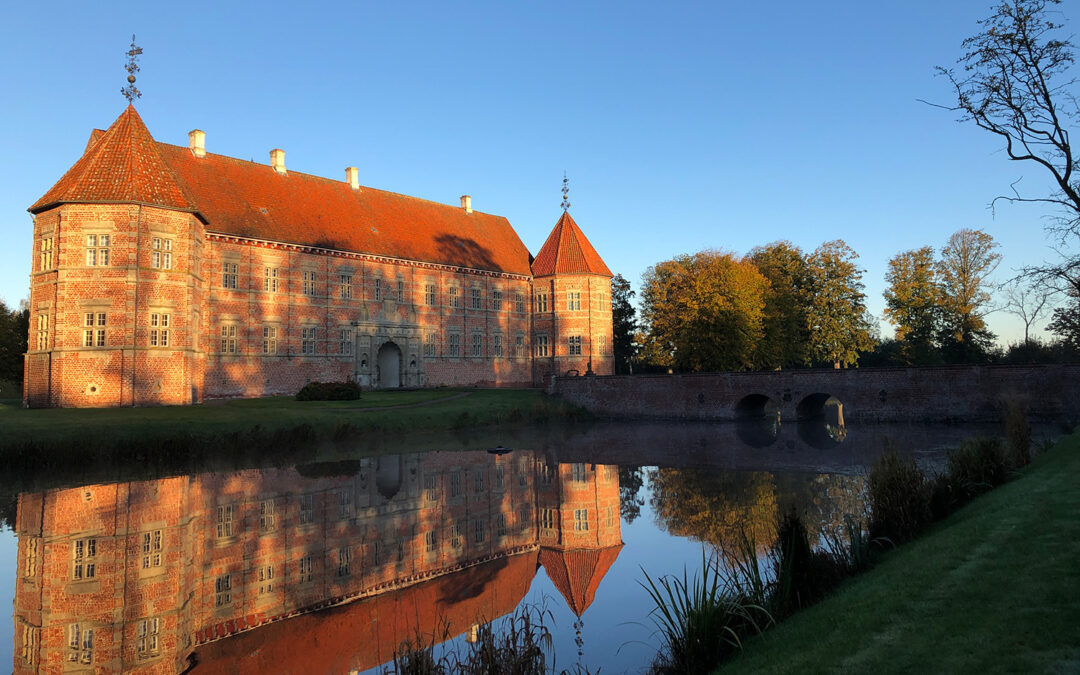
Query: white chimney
352, 177
277, 160
197, 142
466, 203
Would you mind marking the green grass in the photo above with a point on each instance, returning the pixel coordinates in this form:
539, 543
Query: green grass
446, 409
993, 588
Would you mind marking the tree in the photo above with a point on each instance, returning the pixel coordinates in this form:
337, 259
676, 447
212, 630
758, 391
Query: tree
967, 261
624, 324
14, 326
1028, 300
913, 304
836, 316
703, 312
786, 336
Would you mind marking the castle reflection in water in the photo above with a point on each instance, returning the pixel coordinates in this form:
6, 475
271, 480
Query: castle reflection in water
225, 571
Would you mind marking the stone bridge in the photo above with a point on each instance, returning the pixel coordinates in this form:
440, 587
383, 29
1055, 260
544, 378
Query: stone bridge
917, 394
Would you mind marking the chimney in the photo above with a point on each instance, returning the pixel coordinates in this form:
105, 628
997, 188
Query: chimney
197, 142
277, 160
352, 177
466, 203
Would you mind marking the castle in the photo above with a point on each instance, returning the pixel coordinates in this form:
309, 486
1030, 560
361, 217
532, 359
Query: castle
165, 274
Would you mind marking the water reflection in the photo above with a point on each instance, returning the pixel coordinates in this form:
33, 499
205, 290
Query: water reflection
149, 576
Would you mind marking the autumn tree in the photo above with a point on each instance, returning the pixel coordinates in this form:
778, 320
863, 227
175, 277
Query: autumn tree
703, 312
913, 303
786, 333
836, 315
967, 261
624, 324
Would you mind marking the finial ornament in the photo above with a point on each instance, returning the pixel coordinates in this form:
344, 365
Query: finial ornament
565, 192
131, 92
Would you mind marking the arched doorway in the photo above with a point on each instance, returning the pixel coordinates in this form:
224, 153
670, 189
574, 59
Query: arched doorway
389, 364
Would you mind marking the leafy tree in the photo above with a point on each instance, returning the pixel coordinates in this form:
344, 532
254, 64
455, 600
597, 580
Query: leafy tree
913, 304
786, 336
631, 480
14, 326
624, 324
967, 261
837, 318
703, 312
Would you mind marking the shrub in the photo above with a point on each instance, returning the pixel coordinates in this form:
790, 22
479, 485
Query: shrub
803, 575
977, 466
943, 496
329, 391
899, 498
1017, 435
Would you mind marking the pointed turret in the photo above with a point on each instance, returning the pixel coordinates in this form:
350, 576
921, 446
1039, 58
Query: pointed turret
121, 165
578, 573
568, 251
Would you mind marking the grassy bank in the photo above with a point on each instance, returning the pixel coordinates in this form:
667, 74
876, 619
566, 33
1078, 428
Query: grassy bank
993, 588
388, 411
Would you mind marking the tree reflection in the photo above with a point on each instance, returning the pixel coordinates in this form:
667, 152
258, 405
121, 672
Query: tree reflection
631, 478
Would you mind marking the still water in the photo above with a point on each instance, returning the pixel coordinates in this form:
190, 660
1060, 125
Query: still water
330, 566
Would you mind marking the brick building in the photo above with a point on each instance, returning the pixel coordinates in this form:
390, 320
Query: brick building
164, 274
285, 570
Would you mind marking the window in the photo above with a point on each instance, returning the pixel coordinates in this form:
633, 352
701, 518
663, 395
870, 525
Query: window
344, 565
307, 509
429, 487
455, 344
378, 290
547, 519
574, 344
523, 473
524, 516
43, 331
496, 344
307, 340
610, 517
84, 559
546, 474
266, 579
541, 302
270, 279
345, 341
308, 277
455, 485
577, 472
228, 275
31, 641
32, 548
304, 570
519, 345
345, 504
147, 643
161, 253
476, 301
581, 520
401, 291
459, 534
151, 549
94, 333
431, 540
496, 300
228, 339
267, 517
223, 590
376, 552
80, 644
159, 330
454, 301
269, 345
573, 300
477, 344
478, 481
429, 294
500, 478
345, 286
541, 345
519, 303
46, 254
600, 345
402, 547
479, 531
429, 345
500, 525
225, 520
97, 250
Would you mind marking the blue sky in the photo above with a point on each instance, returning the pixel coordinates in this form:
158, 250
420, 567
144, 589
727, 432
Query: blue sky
682, 126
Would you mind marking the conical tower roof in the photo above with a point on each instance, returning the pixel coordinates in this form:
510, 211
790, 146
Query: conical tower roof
577, 573
122, 165
568, 251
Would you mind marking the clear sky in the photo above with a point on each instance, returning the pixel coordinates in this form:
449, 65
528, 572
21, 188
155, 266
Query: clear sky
682, 126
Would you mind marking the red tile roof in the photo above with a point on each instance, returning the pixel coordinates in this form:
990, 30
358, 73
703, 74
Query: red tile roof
568, 251
247, 199
577, 573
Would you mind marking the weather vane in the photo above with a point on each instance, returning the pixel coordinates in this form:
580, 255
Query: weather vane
131, 92
565, 192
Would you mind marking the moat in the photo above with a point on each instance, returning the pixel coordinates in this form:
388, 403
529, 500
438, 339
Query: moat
329, 567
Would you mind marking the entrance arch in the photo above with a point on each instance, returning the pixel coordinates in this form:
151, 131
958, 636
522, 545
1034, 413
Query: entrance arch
389, 365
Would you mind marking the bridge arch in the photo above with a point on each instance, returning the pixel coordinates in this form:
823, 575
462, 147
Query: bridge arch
814, 405
756, 406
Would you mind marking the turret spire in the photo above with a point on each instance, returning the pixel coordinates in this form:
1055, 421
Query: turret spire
131, 92
565, 192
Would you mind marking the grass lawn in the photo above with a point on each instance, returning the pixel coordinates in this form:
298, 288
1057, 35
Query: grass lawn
993, 588
433, 409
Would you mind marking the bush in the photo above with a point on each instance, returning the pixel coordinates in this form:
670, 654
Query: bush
977, 466
899, 498
329, 391
1017, 435
803, 575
